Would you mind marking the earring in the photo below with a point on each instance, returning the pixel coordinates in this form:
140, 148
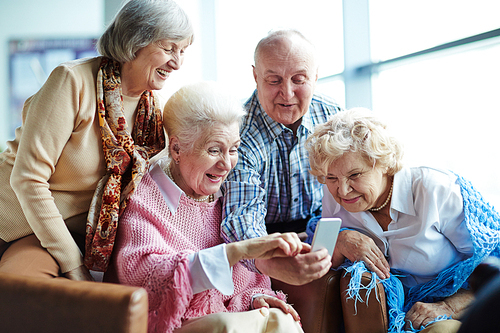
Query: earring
176, 161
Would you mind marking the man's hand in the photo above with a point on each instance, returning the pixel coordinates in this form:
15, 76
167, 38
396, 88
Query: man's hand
356, 246
81, 273
421, 313
298, 270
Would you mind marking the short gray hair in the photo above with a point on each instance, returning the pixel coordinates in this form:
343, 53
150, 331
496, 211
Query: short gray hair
196, 107
140, 23
276, 36
354, 130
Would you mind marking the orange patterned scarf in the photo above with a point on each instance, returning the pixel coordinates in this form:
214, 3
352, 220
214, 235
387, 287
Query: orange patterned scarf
127, 157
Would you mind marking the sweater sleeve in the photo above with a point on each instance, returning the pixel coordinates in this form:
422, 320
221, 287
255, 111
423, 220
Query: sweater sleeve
49, 120
145, 259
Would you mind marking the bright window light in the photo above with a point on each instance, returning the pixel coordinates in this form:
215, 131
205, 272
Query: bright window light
241, 24
237, 28
446, 108
402, 27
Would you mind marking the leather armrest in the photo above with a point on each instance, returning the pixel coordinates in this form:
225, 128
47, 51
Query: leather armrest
29, 304
318, 302
369, 316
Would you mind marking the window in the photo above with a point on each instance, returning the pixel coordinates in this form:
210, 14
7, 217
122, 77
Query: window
445, 105
228, 31
241, 24
402, 27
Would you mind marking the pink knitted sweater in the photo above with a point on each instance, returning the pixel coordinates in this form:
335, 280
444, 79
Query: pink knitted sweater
152, 249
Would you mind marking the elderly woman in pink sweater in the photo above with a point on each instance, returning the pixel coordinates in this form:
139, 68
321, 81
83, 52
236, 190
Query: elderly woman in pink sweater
169, 237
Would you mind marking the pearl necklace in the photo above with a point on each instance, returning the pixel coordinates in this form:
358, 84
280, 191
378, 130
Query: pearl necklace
376, 209
208, 198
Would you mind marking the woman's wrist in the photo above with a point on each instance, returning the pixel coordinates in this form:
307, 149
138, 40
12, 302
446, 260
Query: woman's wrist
458, 302
233, 253
449, 307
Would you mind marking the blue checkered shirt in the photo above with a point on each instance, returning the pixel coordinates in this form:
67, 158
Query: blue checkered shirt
271, 181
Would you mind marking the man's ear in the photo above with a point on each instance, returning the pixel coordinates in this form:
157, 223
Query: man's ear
254, 73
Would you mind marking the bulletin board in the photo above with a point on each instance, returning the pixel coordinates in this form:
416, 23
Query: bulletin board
30, 63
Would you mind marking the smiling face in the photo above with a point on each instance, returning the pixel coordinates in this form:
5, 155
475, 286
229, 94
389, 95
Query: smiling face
286, 76
355, 184
201, 171
152, 66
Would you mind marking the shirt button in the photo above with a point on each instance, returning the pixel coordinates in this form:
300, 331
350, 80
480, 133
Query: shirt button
296, 199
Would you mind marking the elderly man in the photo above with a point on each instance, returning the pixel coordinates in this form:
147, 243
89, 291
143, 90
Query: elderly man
270, 189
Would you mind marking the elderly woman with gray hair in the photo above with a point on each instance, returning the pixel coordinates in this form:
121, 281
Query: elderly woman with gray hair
429, 227
85, 141
169, 238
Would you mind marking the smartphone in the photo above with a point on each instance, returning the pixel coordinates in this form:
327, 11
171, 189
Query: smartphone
326, 233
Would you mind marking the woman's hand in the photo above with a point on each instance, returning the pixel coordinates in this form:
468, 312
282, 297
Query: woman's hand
421, 314
81, 273
356, 246
265, 301
266, 247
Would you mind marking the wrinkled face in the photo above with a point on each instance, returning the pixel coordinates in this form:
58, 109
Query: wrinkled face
286, 76
154, 63
355, 184
205, 167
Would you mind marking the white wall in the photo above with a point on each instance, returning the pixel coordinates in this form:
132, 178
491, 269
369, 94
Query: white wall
21, 19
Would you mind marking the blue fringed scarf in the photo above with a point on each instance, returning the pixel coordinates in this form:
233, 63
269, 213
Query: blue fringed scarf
483, 223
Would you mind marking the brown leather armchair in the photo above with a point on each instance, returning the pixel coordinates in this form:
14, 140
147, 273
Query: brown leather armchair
369, 316
29, 304
318, 303
324, 308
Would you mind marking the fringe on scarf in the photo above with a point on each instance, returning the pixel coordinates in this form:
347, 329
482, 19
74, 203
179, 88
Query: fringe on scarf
395, 295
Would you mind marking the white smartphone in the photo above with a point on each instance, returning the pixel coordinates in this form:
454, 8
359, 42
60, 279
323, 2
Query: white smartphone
326, 233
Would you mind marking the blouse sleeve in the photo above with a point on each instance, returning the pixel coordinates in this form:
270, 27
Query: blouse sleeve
48, 122
210, 270
452, 218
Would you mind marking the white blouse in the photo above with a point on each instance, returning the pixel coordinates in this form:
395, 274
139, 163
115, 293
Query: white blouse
427, 233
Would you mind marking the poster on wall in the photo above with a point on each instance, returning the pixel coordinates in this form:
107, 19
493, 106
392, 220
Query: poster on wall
30, 63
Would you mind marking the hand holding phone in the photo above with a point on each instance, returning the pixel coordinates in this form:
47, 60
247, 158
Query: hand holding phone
326, 233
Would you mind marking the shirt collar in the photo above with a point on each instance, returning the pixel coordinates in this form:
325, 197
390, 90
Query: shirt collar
169, 190
402, 194
307, 121
275, 129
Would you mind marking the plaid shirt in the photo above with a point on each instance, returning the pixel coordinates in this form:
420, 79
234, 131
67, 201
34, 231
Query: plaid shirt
271, 181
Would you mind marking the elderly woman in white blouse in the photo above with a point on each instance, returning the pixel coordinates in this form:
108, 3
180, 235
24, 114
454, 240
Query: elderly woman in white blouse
395, 219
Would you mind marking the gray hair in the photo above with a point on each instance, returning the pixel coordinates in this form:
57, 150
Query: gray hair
277, 36
195, 108
140, 23
354, 130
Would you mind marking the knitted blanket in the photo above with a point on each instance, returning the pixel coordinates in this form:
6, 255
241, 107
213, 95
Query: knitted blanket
483, 224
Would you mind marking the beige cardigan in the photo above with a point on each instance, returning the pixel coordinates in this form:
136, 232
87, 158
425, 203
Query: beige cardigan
55, 161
